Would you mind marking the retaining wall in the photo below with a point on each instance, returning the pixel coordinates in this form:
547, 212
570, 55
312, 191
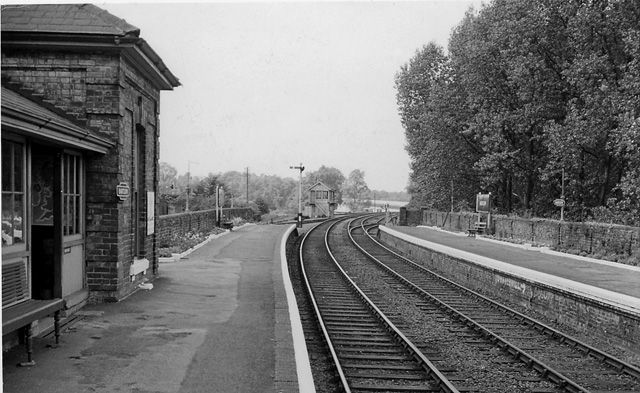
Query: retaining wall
616, 242
583, 314
171, 225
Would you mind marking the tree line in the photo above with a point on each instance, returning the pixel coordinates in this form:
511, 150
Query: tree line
533, 101
263, 193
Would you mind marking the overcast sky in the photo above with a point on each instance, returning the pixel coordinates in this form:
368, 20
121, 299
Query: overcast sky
267, 85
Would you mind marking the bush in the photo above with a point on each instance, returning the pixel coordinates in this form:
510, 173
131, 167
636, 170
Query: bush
180, 243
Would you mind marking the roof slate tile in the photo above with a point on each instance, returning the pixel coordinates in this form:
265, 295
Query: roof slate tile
64, 18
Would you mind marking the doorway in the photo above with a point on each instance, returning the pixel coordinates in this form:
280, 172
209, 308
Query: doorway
57, 222
42, 223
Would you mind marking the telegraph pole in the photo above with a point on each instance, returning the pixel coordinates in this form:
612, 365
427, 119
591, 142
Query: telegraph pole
188, 183
301, 168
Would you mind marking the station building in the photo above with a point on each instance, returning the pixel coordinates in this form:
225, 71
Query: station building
80, 106
322, 201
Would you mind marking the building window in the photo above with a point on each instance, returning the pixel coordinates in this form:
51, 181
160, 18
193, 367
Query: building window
13, 195
72, 194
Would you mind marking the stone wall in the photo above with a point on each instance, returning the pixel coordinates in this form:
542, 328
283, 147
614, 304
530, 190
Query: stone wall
581, 313
171, 225
614, 242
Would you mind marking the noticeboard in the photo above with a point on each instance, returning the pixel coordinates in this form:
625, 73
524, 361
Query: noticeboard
220, 196
483, 203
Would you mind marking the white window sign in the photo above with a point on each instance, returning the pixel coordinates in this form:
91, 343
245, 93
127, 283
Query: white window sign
151, 212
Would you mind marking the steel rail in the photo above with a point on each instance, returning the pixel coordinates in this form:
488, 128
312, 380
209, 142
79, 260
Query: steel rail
428, 366
548, 372
325, 333
602, 356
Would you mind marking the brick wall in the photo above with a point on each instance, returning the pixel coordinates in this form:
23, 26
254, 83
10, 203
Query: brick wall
170, 225
616, 242
105, 94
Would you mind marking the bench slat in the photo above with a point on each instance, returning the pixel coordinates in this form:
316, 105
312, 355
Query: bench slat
24, 313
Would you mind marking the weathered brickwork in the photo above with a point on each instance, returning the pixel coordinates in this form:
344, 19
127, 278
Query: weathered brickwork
617, 242
586, 315
171, 225
104, 93
71, 81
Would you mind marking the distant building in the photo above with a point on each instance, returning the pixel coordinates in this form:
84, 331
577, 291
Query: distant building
321, 202
80, 105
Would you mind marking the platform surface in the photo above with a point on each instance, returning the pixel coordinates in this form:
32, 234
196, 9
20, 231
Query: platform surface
216, 321
618, 281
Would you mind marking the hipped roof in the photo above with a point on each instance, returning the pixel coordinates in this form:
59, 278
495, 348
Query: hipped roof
78, 26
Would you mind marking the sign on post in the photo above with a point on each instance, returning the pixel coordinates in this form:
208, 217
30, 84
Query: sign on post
558, 202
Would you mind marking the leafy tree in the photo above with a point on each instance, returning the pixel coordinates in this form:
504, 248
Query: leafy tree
592, 142
506, 60
167, 180
441, 156
528, 91
356, 189
262, 206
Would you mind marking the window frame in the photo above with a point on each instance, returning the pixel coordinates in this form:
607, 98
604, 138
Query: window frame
72, 188
19, 249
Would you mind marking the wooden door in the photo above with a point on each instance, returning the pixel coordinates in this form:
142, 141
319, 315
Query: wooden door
72, 270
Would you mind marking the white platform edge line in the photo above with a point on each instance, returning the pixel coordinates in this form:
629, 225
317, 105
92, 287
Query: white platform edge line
622, 301
303, 366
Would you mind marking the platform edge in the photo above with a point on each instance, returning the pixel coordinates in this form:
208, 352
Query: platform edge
303, 366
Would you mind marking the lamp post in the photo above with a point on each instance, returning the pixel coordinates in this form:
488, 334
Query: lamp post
301, 168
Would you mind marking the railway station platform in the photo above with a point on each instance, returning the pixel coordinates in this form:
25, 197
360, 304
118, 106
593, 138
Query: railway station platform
218, 320
583, 292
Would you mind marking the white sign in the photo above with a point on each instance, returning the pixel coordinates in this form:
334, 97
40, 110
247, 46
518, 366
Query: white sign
151, 212
122, 191
558, 202
221, 196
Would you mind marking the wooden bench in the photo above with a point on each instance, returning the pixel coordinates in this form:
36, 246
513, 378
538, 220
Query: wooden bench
25, 311
22, 316
228, 225
478, 227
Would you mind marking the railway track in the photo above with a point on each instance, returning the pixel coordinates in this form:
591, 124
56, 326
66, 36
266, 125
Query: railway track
369, 352
570, 364
474, 343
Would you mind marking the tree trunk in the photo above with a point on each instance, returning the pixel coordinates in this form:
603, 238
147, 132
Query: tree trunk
530, 177
509, 193
581, 176
605, 183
